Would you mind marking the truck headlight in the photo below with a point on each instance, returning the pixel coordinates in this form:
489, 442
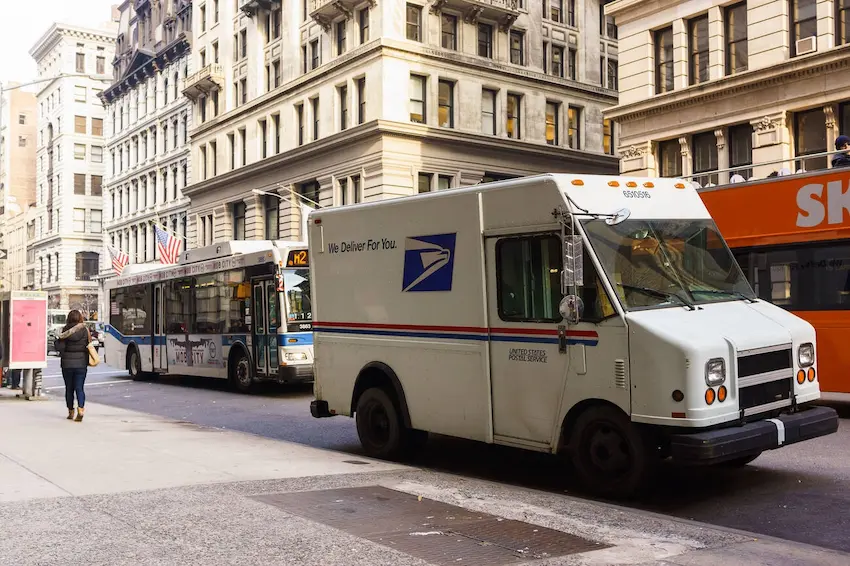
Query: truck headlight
806, 355
295, 356
715, 372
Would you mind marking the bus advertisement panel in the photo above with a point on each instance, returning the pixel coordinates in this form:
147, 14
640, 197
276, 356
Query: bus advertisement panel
238, 310
791, 236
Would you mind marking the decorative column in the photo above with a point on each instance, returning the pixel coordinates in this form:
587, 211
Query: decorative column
722, 156
687, 163
771, 142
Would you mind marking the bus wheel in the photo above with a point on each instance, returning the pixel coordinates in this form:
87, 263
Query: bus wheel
240, 373
134, 364
610, 456
378, 424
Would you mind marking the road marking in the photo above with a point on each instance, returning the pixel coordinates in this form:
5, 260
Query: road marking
94, 383
780, 430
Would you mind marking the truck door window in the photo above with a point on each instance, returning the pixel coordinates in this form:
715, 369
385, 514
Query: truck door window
528, 272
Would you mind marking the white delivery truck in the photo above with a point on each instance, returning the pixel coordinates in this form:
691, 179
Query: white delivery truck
601, 317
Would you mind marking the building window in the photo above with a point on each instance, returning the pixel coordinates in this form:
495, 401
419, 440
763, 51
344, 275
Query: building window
556, 11
97, 154
310, 191
842, 22
243, 42
276, 132
315, 106
557, 66
664, 60
810, 137
552, 130
22, 119
488, 112
670, 158
361, 100
444, 182
414, 22
22, 141
611, 73
238, 211
704, 149
96, 185
81, 60
358, 189
448, 30
262, 127
202, 161
243, 144
203, 19
417, 99
274, 20
517, 47
231, 145
804, 21
607, 27
79, 184
79, 124
299, 117
79, 220
446, 112
243, 88
96, 221
100, 63
741, 150
571, 64
80, 94
97, 126
698, 50
574, 127
513, 125
485, 40
736, 38
423, 183
608, 136
315, 56
272, 215
79, 151
88, 264
364, 25
340, 37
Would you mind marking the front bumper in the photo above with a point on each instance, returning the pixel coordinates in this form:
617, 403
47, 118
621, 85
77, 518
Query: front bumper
716, 446
294, 374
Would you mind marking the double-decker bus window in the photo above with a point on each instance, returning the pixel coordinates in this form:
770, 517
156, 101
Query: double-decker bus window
805, 277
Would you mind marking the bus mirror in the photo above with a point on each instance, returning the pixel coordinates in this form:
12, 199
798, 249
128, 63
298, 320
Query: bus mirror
618, 216
571, 309
573, 262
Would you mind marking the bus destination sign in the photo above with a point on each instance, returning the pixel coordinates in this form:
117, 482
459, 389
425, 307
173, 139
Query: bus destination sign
298, 258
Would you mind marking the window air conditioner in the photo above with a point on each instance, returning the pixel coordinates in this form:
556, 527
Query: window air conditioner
807, 45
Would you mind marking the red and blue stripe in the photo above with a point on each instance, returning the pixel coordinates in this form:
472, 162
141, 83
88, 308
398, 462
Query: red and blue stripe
470, 333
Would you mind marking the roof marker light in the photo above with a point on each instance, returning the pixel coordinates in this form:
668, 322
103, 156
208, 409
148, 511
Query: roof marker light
613, 184
648, 185
679, 185
631, 184
578, 182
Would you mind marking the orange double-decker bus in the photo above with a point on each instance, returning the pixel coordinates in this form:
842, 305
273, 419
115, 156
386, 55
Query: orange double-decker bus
791, 236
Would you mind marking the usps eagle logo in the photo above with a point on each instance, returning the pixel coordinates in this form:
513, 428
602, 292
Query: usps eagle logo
429, 263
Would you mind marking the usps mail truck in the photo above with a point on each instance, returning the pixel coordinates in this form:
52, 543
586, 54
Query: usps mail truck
600, 317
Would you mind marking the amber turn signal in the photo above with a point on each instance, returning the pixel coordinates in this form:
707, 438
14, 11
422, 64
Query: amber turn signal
721, 393
801, 377
811, 374
709, 396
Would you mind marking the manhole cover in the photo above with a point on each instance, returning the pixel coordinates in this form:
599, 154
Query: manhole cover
436, 532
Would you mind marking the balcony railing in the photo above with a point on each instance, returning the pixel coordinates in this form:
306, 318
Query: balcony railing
204, 81
503, 11
251, 7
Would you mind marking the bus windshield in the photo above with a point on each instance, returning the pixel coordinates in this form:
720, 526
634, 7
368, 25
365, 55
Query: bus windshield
57, 319
296, 284
664, 263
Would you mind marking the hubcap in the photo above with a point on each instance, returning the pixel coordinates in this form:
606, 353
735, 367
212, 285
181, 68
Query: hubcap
379, 424
243, 372
608, 451
134, 363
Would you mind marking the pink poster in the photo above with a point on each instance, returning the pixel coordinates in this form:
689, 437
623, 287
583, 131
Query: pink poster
28, 332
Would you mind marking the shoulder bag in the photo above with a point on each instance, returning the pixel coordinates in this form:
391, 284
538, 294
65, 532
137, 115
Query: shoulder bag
94, 359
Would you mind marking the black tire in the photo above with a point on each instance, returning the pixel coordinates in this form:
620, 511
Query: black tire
134, 364
739, 462
379, 425
609, 454
241, 373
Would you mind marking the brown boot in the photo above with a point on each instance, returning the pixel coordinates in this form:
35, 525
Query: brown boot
70, 414
80, 412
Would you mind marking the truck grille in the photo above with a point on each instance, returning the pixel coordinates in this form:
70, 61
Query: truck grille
766, 380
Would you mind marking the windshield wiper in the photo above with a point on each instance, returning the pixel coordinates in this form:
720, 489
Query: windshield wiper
659, 294
721, 292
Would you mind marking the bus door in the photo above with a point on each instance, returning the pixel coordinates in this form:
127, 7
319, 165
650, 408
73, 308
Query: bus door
266, 321
160, 353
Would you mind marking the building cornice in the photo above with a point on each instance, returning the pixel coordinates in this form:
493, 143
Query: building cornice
171, 52
58, 30
778, 76
383, 46
380, 128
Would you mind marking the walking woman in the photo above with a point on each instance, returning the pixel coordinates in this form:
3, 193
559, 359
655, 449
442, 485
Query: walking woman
72, 345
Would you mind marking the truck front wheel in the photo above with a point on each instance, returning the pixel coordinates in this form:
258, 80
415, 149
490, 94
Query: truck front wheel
611, 457
378, 424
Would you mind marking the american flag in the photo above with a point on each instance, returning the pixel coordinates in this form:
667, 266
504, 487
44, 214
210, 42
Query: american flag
119, 260
167, 244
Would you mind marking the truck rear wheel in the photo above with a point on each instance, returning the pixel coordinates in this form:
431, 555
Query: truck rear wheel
379, 427
611, 457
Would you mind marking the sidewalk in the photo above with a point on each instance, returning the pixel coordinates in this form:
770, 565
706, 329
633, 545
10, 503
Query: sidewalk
129, 488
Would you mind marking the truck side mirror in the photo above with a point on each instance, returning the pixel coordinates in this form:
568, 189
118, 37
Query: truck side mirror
571, 309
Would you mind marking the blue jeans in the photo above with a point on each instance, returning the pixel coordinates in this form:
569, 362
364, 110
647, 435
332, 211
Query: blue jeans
75, 378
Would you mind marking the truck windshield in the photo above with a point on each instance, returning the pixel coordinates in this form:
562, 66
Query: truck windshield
664, 263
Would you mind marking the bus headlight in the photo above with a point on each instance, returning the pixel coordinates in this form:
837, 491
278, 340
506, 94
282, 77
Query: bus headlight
715, 372
806, 355
295, 356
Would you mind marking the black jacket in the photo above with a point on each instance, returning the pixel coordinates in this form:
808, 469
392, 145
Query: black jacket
841, 160
72, 347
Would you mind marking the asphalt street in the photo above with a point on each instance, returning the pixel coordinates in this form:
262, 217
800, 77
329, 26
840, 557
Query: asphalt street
797, 493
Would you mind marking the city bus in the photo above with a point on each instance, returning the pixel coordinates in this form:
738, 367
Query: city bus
791, 236
237, 310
